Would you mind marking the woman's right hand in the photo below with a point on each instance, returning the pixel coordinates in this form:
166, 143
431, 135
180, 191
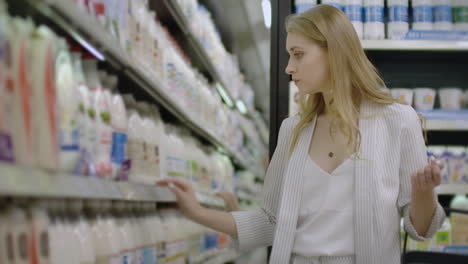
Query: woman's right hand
186, 198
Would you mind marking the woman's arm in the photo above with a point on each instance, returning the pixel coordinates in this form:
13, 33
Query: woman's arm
423, 198
417, 200
191, 208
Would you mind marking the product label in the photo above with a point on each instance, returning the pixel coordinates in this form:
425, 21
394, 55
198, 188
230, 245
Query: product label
51, 99
398, 13
138, 256
115, 259
148, 256
442, 13
443, 238
6, 148
460, 14
422, 14
354, 12
44, 245
340, 7
10, 247
374, 14
302, 7
128, 257
119, 142
161, 251
69, 140
176, 167
23, 246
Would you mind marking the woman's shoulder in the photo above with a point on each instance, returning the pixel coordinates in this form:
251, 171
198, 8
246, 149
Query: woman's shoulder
403, 112
290, 123
395, 111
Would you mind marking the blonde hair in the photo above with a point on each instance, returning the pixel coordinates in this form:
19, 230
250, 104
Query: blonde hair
353, 77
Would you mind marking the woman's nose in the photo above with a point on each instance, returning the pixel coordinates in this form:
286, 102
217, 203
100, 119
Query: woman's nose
289, 69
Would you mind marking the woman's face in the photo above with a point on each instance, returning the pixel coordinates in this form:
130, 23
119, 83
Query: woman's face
308, 64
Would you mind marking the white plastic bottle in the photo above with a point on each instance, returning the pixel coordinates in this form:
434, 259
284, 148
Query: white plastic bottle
83, 119
374, 27
68, 102
119, 134
422, 15
6, 91
304, 5
101, 100
443, 15
336, 3
21, 236
157, 48
40, 234
22, 112
460, 15
135, 147
398, 25
353, 9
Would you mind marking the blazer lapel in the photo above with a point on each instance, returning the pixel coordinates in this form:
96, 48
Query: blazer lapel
291, 199
366, 246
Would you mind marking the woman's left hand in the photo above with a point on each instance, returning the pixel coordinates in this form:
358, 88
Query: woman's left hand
426, 179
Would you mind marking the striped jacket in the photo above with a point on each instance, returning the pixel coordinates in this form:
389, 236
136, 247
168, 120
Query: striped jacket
392, 148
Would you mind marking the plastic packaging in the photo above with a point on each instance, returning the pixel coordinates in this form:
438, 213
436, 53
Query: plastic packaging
68, 102
336, 3
6, 90
460, 15
47, 80
374, 27
424, 98
40, 234
304, 5
85, 120
443, 15
405, 96
397, 26
22, 112
459, 221
422, 15
21, 236
119, 135
353, 9
135, 147
451, 98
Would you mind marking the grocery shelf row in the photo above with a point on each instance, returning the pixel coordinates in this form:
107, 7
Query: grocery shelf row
98, 42
415, 45
28, 182
446, 120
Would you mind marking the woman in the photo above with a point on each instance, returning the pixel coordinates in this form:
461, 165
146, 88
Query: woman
346, 168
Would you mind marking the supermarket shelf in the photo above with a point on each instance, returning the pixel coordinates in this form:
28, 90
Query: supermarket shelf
444, 120
27, 182
447, 125
202, 56
415, 45
217, 256
453, 189
104, 47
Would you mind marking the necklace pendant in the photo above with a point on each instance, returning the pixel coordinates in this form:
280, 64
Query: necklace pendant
330, 154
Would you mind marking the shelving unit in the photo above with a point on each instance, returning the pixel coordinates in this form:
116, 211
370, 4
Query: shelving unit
26, 182
443, 120
415, 45
453, 189
199, 54
100, 44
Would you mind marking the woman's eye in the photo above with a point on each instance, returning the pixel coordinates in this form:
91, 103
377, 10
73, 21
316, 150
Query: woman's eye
297, 55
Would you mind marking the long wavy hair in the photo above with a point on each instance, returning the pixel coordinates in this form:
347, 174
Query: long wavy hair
353, 77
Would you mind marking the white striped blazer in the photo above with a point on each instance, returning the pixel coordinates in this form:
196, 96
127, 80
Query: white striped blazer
392, 148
